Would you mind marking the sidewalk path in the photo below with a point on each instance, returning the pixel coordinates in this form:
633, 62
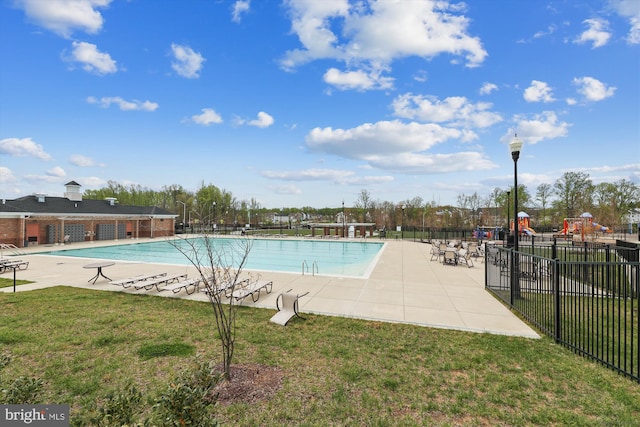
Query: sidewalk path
404, 287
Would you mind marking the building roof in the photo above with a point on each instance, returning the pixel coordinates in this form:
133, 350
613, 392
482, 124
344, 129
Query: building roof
32, 205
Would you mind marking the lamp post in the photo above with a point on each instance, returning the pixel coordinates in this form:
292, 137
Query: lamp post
213, 218
508, 214
184, 213
343, 219
402, 223
515, 146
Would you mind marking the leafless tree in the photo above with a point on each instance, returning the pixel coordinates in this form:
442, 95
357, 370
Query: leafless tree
220, 265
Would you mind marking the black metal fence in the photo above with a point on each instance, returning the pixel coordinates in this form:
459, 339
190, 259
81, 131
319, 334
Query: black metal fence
586, 297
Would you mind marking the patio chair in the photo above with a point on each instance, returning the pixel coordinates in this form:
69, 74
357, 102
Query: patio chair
473, 249
435, 252
464, 257
289, 308
450, 257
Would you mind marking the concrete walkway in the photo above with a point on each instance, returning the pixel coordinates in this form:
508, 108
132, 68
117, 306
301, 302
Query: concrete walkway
404, 287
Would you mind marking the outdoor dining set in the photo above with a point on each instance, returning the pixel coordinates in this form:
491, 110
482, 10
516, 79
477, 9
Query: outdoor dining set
456, 252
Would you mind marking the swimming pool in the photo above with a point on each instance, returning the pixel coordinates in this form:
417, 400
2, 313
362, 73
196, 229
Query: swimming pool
343, 258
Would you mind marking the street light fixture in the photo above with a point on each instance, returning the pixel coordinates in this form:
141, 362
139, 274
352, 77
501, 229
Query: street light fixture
515, 146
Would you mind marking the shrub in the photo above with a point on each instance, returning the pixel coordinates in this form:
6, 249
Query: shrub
121, 407
186, 401
22, 390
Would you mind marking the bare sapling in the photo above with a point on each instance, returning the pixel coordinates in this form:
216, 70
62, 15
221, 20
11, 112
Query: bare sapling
220, 264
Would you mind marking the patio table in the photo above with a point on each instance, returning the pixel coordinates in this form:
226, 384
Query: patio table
99, 265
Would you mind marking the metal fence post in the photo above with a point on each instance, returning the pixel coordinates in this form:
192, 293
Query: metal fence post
557, 333
512, 277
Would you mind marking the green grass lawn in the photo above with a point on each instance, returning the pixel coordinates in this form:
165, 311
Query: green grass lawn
6, 282
85, 344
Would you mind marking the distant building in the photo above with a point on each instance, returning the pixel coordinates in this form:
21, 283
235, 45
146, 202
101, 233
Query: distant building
40, 219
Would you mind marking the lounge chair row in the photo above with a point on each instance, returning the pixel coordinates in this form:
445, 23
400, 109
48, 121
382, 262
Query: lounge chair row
241, 290
7, 264
160, 281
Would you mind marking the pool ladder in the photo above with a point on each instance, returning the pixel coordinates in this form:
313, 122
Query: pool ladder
305, 267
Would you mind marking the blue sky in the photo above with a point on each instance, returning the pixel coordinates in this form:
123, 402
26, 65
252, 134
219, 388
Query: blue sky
308, 102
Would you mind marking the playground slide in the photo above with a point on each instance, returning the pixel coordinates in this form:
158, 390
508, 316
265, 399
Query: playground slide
601, 227
529, 231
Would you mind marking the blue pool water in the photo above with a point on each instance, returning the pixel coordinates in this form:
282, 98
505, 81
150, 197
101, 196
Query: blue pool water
343, 258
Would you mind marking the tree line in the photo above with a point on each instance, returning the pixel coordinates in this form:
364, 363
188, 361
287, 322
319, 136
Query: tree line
568, 197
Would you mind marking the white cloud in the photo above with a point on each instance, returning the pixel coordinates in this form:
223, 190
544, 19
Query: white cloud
24, 147
456, 111
397, 146
136, 105
64, 16
56, 172
264, 120
422, 28
538, 92
416, 163
49, 178
82, 161
207, 117
634, 32
240, 7
6, 175
550, 30
629, 9
540, 127
381, 138
597, 34
359, 80
331, 175
593, 89
289, 189
187, 63
95, 182
92, 60
487, 88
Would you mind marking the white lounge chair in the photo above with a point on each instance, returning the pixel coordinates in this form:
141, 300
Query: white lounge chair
252, 289
223, 286
159, 281
14, 265
183, 284
289, 308
125, 283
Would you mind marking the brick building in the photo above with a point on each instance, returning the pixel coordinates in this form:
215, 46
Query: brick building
40, 219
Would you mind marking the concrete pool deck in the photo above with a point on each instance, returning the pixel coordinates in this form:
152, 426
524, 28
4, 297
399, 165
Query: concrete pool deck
404, 287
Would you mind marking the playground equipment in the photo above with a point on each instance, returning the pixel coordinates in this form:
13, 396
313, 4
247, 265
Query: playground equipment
584, 226
524, 225
487, 233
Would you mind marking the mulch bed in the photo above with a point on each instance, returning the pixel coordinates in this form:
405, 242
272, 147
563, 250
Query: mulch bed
249, 383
